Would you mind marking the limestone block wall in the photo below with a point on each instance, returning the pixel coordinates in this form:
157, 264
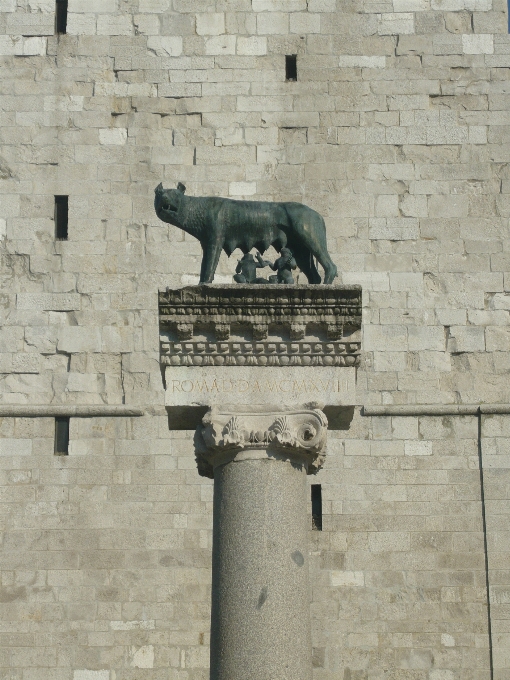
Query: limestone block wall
397, 131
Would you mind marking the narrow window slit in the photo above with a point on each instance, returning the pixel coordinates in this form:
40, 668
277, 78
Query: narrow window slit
61, 217
291, 67
61, 16
316, 507
62, 436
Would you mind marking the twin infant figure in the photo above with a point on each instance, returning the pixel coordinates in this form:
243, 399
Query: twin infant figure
246, 270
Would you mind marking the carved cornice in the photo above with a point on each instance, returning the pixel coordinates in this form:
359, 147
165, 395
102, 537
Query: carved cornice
271, 304
318, 325
298, 435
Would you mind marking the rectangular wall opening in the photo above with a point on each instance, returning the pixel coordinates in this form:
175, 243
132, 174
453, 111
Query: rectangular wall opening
291, 67
316, 507
61, 217
61, 16
62, 436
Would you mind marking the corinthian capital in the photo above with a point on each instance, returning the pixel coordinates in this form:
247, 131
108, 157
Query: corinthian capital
224, 437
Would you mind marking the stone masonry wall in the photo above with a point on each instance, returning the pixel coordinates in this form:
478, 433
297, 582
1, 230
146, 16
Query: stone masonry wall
397, 131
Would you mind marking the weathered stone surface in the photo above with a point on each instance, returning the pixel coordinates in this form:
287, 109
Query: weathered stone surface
230, 434
260, 622
400, 140
286, 386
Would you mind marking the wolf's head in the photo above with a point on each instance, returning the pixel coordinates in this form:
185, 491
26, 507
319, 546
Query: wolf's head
168, 202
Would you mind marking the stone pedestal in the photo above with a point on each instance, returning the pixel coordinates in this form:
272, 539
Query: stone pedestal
256, 369
260, 591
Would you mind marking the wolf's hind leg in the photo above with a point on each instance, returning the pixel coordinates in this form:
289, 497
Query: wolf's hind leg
305, 262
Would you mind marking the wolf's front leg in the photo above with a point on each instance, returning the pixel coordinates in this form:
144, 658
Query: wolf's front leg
210, 258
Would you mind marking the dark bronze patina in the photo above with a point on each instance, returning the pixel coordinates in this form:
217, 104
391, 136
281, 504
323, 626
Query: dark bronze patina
283, 267
246, 270
224, 224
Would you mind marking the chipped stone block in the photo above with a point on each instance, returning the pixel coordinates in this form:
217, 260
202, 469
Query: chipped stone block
254, 45
411, 5
94, 6
390, 361
210, 23
180, 90
225, 44
321, 5
41, 339
165, 46
82, 382
447, 134
305, 22
30, 24
347, 579
110, 24
355, 61
117, 339
498, 61
22, 46
64, 103
242, 188
82, 24
477, 43
396, 23
441, 674
44, 6
279, 5
426, 338
386, 206
147, 24
466, 339
384, 541
142, 657
15, 447
176, 155
49, 301
25, 363
91, 675
377, 337
418, 448
459, 5
398, 229
77, 339
157, 6
497, 339
273, 23
113, 136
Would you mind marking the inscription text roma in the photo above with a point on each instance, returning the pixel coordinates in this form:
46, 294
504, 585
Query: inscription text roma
224, 386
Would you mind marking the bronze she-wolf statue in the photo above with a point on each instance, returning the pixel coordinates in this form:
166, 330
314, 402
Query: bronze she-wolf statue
222, 223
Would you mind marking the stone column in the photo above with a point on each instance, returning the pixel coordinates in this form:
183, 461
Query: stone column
250, 357
260, 622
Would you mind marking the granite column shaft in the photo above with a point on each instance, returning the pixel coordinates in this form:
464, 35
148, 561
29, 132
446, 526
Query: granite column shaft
260, 591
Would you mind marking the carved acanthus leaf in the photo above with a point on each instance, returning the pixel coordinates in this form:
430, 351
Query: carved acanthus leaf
234, 433
295, 433
282, 431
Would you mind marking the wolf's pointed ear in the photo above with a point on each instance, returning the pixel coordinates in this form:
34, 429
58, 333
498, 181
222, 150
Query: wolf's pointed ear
159, 188
181, 187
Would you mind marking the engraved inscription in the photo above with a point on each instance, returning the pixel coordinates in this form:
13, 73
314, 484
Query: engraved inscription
248, 385
241, 386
